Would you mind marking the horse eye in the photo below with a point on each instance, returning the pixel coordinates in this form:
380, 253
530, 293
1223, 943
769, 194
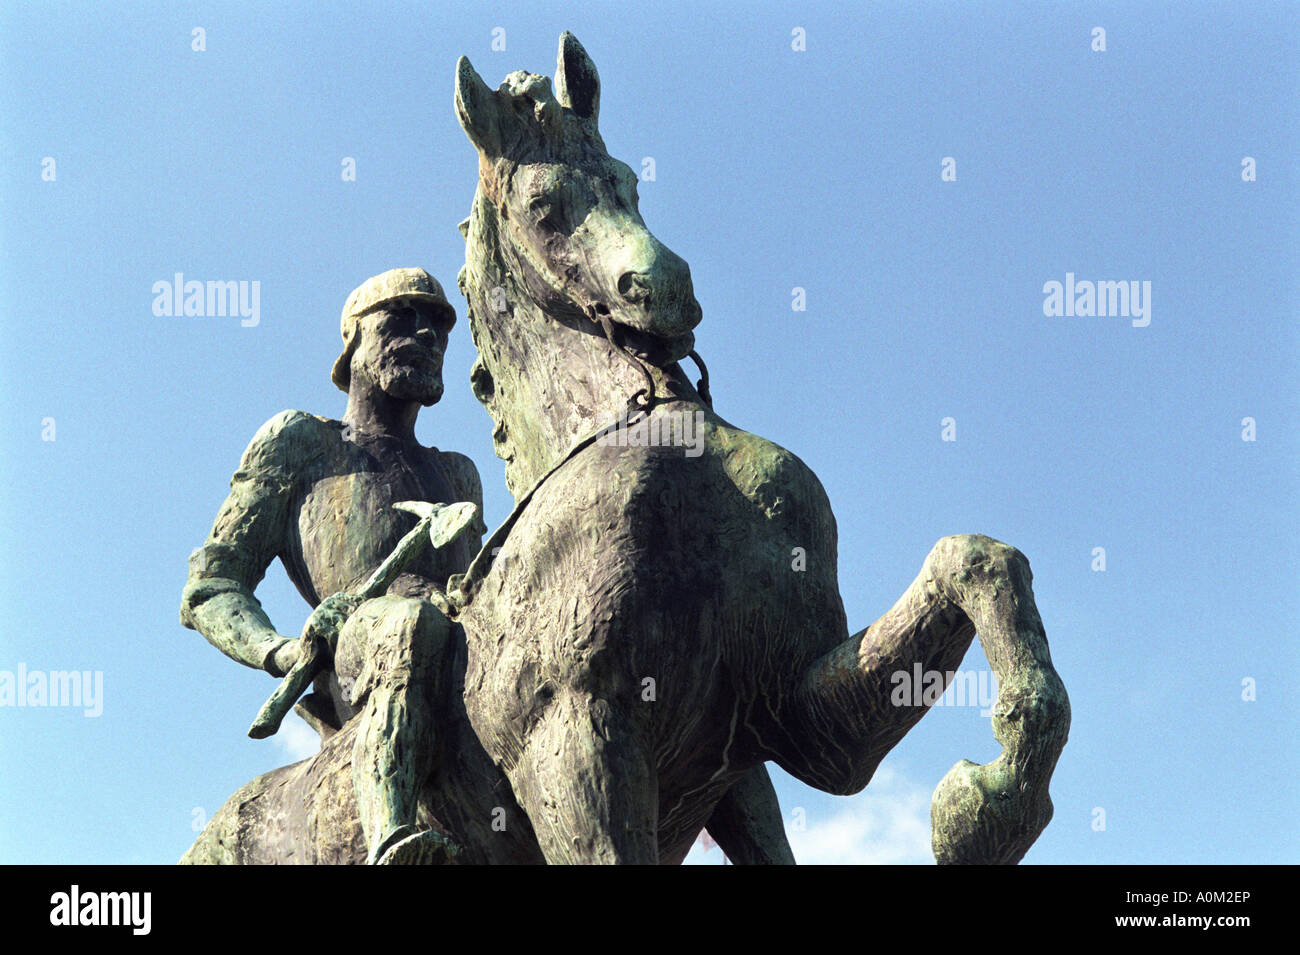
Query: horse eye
482, 384
543, 211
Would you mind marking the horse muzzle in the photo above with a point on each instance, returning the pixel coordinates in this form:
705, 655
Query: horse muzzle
658, 301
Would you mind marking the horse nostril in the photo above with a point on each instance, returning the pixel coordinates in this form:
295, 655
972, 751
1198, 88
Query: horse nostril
634, 286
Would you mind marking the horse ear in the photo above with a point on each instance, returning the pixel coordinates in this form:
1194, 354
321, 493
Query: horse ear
476, 108
576, 81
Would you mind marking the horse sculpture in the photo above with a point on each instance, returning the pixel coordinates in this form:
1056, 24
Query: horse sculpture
636, 640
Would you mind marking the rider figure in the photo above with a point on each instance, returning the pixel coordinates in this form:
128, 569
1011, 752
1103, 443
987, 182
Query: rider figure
318, 494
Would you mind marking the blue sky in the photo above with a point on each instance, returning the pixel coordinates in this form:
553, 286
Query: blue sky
775, 168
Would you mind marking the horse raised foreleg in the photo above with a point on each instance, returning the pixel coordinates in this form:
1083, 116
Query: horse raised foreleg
852, 712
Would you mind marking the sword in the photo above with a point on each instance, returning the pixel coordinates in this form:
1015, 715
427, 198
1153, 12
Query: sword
439, 525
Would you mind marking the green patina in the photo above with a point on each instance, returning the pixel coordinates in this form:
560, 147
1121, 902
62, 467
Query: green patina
639, 639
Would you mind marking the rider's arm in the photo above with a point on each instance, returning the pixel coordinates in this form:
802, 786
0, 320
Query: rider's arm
248, 534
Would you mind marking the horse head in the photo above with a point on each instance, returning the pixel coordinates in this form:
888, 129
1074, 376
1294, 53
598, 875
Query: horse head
555, 238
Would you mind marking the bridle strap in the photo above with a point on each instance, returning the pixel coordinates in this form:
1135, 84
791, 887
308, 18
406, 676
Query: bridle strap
603, 320
702, 386
639, 404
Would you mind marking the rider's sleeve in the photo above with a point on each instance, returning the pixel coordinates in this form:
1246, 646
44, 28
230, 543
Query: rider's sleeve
248, 534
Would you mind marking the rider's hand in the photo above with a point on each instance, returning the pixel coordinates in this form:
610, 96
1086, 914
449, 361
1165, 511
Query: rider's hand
324, 624
329, 616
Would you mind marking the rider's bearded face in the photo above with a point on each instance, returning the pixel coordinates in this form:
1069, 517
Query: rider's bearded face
401, 350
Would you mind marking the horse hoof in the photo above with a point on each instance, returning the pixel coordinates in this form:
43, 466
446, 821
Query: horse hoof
984, 815
422, 848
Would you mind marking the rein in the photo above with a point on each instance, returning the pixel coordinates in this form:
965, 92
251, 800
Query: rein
461, 588
460, 592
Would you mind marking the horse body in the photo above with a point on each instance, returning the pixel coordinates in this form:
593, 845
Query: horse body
651, 596
655, 625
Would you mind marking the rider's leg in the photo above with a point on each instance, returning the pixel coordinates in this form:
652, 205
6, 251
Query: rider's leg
389, 657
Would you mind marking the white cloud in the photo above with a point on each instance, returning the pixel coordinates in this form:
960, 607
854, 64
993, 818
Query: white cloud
887, 824
296, 739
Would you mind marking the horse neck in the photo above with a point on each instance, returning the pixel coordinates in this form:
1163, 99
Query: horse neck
554, 384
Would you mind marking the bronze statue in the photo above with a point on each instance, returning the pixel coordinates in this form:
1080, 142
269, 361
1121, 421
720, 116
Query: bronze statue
654, 622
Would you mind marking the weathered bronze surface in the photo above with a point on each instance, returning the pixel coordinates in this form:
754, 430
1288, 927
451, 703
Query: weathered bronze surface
659, 616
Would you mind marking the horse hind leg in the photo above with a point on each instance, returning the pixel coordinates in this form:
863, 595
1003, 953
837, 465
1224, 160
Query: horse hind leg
849, 714
747, 824
586, 782
304, 813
